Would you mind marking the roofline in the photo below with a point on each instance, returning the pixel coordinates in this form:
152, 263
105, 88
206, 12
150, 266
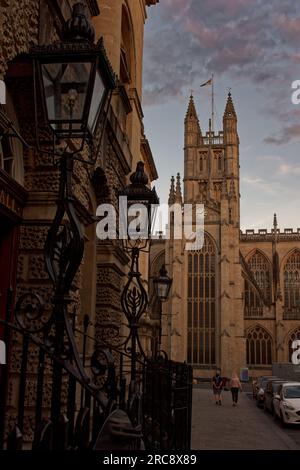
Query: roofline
149, 156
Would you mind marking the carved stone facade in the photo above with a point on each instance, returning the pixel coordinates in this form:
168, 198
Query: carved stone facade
97, 286
236, 302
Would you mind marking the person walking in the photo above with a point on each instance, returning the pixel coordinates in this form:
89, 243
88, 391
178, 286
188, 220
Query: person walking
217, 385
235, 387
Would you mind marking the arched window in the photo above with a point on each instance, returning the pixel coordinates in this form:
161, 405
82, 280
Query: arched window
218, 161
126, 49
220, 164
253, 304
202, 305
259, 347
201, 164
291, 276
261, 270
11, 150
292, 337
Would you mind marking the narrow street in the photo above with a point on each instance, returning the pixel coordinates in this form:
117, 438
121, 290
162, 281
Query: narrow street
244, 427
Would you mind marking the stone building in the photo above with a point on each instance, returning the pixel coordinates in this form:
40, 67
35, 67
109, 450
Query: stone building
29, 180
236, 302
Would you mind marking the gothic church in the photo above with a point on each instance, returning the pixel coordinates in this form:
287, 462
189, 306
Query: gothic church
236, 302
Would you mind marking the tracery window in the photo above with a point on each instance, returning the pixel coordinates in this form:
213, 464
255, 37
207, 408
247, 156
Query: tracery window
261, 270
291, 276
259, 347
253, 304
202, 305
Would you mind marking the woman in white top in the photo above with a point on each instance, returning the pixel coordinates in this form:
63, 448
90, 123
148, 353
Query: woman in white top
235, 386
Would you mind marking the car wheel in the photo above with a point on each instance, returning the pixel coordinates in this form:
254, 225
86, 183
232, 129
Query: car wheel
283, 423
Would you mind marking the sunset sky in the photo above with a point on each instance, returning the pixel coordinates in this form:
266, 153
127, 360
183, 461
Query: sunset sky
252, 46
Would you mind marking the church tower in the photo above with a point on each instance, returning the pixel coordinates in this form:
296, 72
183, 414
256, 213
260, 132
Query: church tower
207, 283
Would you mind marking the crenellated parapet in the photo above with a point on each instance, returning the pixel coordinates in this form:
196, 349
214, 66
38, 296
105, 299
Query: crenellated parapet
263, 234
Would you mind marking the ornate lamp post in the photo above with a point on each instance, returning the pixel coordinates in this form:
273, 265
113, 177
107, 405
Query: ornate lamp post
134, 298
75, 81
162, 287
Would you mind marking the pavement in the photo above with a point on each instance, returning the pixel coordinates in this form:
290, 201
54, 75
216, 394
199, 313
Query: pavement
244, 427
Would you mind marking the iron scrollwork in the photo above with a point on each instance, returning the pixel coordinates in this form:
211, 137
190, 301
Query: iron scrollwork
134, 301
30, 313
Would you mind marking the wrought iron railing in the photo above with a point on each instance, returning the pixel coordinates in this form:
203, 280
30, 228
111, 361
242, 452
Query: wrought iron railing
106, 411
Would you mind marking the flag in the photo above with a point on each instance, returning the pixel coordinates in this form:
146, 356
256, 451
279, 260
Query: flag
209, 82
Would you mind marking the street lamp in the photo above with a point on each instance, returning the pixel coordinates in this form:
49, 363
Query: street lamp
75, 80
138, 211
162, 286
134, 299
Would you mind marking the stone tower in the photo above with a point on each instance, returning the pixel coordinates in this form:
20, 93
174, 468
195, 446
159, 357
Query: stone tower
206, 308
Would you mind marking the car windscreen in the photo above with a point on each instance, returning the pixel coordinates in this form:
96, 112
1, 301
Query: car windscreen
292, 391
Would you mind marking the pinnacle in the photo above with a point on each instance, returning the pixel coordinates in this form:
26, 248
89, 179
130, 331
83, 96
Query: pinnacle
178, 194
191, 111
229, 109
172, 196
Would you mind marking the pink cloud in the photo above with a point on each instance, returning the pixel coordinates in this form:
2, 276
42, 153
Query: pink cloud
208, 37
289, 28
229, 6
239, 56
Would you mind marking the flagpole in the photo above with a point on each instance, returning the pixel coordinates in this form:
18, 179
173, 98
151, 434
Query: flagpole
212, 104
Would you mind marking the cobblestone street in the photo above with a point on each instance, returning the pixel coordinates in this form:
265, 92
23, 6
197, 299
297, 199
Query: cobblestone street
244, 427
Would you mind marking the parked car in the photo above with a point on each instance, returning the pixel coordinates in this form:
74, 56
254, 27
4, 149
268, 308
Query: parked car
271, 390
260, 389
287, 403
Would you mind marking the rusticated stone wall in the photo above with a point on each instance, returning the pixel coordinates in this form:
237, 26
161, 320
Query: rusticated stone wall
19, 21
23, 24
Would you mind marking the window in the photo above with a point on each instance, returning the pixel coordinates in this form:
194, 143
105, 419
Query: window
126, 49
202, 162
259, 347
218, 161
261, 270
220, 164
11, 149
295, 335
291, 276
253, 304
202, 305
6, 156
